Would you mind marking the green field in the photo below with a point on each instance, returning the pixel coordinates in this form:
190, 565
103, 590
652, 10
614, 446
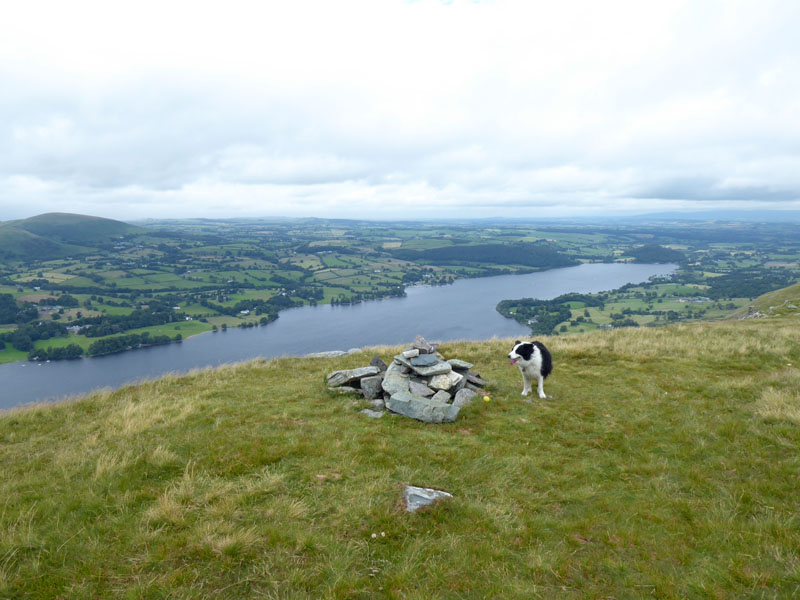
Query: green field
188, 263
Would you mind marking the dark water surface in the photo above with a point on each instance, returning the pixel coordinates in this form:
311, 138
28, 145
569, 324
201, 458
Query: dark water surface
463, 310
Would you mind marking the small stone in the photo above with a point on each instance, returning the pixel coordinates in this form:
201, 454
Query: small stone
442, 396
378, 404
424, 347
371, 386
346, 389
377, 362
417, 497
413, 353
373, 414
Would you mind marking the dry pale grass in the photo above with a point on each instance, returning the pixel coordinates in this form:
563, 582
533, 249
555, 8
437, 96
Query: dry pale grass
718, 341
779, 404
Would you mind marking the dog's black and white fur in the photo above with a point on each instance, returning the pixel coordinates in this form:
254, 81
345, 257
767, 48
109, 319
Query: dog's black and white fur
534, 361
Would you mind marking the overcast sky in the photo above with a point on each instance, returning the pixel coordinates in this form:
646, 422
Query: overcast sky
394, 108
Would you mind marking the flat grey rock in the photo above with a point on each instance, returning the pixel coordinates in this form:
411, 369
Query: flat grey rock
475, 389
476, 380
338, 378
436, 367
413, 353
439, 368
417, 497
328, 354
463, 397
424, 360
402, 360
422, 409
461, 365
442, 396
420, 389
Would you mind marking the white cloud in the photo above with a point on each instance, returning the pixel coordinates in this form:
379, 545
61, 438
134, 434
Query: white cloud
389, 108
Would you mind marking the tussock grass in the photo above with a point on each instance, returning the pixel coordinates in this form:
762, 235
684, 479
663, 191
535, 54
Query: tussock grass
665, 465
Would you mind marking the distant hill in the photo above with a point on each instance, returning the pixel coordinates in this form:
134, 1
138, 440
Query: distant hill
53, 235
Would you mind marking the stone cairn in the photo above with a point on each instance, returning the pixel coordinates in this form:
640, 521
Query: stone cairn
419, 383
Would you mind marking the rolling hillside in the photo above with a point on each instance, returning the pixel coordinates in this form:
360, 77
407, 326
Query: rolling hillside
54, 235
780, 303
665, 465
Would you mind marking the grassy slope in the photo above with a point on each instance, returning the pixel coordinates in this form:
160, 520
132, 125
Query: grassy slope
76, 229
664, 466
780, 303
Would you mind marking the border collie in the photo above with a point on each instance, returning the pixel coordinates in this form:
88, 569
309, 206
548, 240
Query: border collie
534, 362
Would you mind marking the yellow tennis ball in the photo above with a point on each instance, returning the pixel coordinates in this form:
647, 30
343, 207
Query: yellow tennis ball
486, 398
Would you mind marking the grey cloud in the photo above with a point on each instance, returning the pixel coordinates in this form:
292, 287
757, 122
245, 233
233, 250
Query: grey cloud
704, 189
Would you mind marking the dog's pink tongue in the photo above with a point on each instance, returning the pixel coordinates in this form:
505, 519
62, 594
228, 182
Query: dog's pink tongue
514, 361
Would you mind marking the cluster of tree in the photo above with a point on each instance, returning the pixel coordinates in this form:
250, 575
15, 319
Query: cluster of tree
389, 291
309, 249
111, 345
8, 309
11, 312
23, 337
540, 255
749, 283
67, 352
545, 315
654, 253
67, 301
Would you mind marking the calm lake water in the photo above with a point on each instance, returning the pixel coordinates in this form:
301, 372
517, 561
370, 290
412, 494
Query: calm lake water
463, 310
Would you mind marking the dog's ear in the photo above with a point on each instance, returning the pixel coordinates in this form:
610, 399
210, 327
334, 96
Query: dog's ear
517, 342
526, 351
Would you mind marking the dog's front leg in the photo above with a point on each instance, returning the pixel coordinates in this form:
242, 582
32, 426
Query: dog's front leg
526, 385
540, 388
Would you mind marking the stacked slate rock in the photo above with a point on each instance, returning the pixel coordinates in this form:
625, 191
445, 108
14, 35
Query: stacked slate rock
419, 383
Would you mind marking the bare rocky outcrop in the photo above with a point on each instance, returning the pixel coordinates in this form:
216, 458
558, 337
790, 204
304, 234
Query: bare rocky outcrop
418, 383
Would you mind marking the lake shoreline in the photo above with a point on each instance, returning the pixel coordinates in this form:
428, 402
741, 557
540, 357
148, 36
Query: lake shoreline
255, 325
464, 310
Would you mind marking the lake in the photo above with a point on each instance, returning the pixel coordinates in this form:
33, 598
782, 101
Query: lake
463, 310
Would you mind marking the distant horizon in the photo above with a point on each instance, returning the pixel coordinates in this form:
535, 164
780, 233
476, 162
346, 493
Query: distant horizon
736, 215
